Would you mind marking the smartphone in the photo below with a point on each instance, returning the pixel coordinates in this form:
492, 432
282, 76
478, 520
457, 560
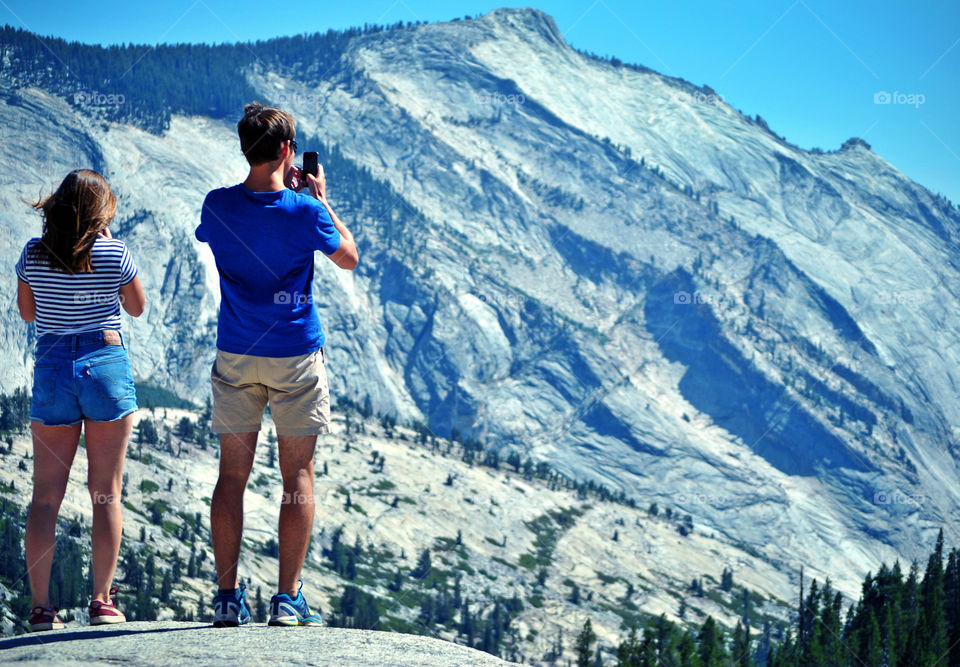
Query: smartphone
309, 166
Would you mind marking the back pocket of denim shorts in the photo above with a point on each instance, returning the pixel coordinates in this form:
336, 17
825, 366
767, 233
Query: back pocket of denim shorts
112, 378
44, 383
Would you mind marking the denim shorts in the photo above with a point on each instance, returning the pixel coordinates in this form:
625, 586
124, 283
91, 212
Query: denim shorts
79, 376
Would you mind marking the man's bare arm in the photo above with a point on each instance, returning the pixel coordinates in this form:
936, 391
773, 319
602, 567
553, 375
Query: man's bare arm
346, 256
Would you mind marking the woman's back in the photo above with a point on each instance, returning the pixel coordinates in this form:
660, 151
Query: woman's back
78, 302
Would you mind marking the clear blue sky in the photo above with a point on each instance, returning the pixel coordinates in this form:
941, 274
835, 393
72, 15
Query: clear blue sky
811, 68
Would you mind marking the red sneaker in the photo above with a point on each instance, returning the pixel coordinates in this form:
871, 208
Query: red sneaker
45, 618
102, 613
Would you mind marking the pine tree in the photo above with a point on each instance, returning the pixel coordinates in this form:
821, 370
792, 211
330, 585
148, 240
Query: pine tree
710, 640
726, 579
397, 583
628, 652
811, 646
166, 587
687, 651
871, 647
260, 608
951, 596
666, 641
584, 642
831, 608
933, 625
741, 646
423, 565
467, 625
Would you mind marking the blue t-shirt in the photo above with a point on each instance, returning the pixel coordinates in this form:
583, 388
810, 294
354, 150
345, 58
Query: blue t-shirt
263, 243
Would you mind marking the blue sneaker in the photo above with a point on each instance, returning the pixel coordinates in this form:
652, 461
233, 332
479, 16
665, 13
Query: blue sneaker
230, 609
285, 610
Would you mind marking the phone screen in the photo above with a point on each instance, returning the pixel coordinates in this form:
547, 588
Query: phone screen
309, 165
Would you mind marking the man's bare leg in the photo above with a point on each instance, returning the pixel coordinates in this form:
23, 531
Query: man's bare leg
226, 506
296, 512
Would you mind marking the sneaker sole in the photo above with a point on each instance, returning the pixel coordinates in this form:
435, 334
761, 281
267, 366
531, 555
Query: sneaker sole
107, 620
284, 621
293, 622
42, 627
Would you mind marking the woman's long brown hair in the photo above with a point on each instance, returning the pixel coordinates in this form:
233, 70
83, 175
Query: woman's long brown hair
73, 218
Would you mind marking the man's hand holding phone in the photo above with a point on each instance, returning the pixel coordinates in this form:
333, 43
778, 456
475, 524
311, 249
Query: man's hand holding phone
317, 184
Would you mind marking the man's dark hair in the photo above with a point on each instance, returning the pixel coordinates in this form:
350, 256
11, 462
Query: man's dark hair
262, 132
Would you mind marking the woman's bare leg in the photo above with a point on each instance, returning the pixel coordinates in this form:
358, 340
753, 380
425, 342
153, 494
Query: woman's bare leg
53, 450
106, 448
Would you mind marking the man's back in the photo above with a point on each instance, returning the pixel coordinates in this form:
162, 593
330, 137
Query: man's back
264, 244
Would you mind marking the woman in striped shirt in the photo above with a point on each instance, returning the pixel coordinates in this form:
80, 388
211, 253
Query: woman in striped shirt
72, 282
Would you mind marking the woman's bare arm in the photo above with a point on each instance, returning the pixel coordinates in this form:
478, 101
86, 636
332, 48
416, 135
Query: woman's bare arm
132, 297
25, 301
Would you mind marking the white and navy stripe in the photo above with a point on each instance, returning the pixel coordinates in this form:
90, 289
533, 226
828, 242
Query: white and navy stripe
80, 302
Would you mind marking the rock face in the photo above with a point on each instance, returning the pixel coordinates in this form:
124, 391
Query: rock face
172, 643
608, 268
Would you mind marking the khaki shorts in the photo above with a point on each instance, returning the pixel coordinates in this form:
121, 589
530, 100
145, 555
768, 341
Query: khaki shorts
295, 387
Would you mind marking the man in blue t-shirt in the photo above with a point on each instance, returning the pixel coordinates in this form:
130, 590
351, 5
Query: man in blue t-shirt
263, 234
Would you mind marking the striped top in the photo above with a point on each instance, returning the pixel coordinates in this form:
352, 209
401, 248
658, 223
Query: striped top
80, 302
